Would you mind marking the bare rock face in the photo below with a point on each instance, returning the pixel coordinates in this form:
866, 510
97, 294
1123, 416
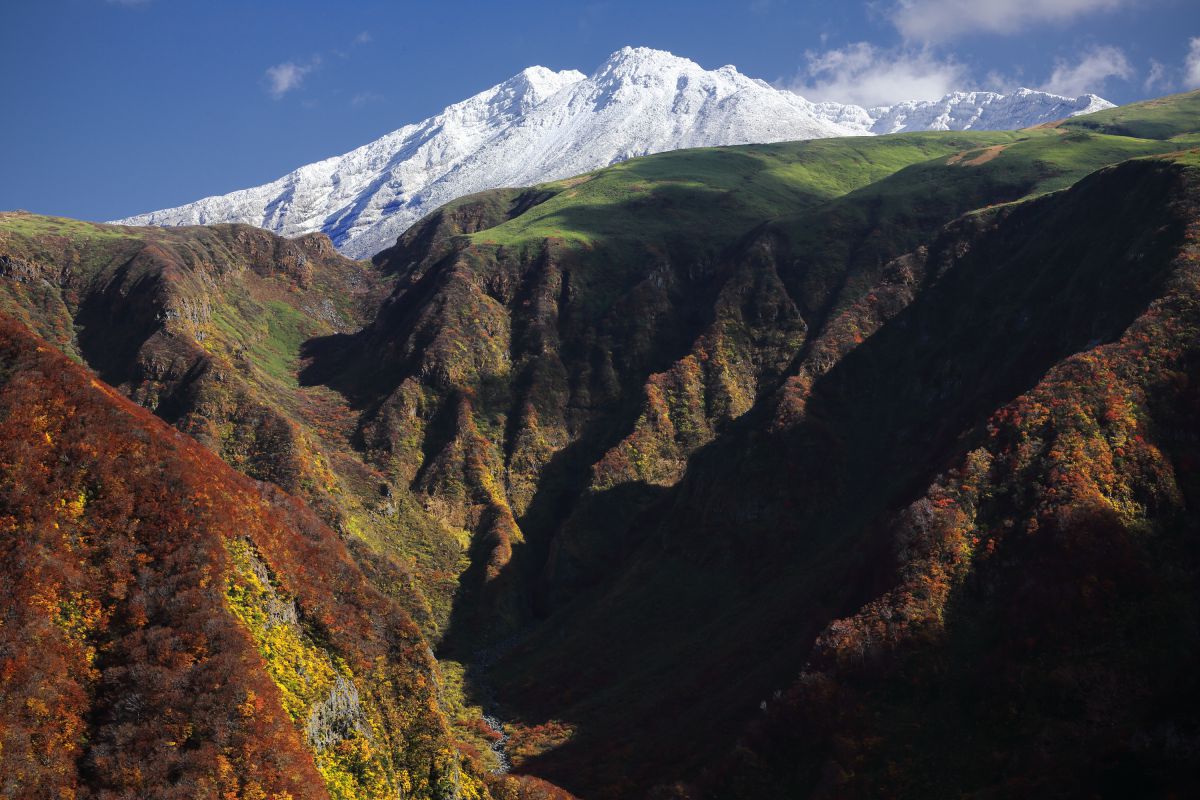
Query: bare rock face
340, 716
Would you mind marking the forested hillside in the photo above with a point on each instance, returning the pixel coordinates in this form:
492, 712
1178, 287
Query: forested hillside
845, 468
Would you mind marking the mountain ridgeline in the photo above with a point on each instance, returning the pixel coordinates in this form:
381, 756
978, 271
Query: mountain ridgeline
542, 125
848, 467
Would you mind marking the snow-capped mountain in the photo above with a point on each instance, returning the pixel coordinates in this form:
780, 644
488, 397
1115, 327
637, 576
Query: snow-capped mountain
542, 125
982, 111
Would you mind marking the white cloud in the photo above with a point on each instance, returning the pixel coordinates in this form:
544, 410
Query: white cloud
1156, 78
939, 20
283, 78
1091, 73
365, 99
1191, 66
868, 76
363, 38
1003, 82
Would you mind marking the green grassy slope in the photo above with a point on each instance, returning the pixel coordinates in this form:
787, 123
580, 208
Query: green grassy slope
1162, 118
712, 195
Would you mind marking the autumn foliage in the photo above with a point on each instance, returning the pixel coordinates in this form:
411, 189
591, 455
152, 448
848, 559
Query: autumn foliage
1039, 635
123, 671
835, 469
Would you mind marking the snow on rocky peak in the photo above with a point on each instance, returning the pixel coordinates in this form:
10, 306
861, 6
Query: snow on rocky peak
983, 111
542, 125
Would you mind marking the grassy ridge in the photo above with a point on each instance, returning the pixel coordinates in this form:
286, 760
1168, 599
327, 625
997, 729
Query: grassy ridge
1161, 118
652, 198
712, 195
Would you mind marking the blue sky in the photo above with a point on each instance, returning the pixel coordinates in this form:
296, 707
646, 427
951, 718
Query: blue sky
115, 107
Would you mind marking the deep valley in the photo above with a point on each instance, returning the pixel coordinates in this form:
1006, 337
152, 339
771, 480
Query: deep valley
850, 467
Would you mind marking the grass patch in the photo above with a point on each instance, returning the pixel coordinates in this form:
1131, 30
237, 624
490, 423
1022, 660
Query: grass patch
712, 195
31, 225
1161, 118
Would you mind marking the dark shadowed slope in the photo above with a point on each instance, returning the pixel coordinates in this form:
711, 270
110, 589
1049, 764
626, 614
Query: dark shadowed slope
671, 428
1035, 631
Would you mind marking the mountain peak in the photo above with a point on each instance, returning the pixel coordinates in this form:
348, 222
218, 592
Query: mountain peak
524, 91
632, 62
545, 81
542, 125
984, 110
